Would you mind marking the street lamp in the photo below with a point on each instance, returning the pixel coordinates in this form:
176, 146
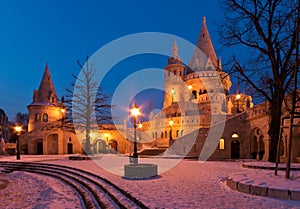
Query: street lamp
135, 112
18, 130
238, 96
171, 122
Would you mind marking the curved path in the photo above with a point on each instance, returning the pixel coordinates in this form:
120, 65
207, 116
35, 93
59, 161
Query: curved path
94, 191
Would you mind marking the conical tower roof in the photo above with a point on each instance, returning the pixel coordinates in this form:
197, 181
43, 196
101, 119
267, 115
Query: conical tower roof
204, 43
46, 92
204, 53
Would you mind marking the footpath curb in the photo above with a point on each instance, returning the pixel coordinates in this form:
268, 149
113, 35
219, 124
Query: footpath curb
263, 191
249, 187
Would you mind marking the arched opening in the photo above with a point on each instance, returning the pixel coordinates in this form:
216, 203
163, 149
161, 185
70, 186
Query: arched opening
194, 94
70, 148
113, 144
235, 149
39, 148
257, 146
253, 147
37, 117
100, 146
45, 117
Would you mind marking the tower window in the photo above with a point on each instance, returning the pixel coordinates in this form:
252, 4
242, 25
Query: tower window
175, 72
180, 73
37, 117
194, 94
45, 117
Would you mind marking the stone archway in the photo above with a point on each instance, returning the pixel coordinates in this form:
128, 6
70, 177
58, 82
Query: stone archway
257, 145
235, 149
114, 145
100, 146
39, 147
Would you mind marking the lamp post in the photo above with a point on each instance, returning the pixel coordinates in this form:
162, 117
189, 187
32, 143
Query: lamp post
135, 112
18, 130
171, 122
238, 96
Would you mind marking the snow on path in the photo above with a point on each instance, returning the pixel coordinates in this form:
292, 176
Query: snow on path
189, 185
26, 190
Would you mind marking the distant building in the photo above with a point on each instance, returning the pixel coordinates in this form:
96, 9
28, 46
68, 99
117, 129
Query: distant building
4, 126
6, 145
49, 135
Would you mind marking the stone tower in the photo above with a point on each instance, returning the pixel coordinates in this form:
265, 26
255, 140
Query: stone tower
173, 78
45, 108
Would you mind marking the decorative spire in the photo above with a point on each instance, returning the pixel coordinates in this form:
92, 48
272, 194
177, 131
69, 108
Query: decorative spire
175, 50
205, 45
46, 91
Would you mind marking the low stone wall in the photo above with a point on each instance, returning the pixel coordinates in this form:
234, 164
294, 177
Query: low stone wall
262, 190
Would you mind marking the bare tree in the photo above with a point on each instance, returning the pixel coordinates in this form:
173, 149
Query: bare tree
87, 103
268, 29
21, 119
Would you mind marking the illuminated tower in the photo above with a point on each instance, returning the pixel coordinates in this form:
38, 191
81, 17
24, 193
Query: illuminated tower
45, 107
173, 78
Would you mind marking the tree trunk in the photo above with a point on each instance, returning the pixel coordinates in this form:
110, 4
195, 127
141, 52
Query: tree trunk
274, 127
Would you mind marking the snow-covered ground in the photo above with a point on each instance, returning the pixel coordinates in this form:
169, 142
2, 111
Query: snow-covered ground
190, 184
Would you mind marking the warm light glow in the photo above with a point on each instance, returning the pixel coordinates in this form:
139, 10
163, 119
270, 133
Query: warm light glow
221, 144
140, 125
190, 87
172, 91
106, 135
135, 111
171, 122
238, 96
235, 136
18, 128
63, 110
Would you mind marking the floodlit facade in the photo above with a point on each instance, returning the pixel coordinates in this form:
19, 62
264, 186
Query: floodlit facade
200, 118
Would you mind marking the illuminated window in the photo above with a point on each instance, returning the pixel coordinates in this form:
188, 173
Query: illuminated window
234, 136
221, 144
45, 117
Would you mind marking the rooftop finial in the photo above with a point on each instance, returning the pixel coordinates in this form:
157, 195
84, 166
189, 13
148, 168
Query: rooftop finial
175, 50
204, 20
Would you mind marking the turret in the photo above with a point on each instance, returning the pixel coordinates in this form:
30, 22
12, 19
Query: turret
45, 107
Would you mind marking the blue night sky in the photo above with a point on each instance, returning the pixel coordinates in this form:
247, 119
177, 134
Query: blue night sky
62, 32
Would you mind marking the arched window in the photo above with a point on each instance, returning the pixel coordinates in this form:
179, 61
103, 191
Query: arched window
221, 144
194, 94
166, 134
177, 133
181, 132
45, 117
37, 117
175, 72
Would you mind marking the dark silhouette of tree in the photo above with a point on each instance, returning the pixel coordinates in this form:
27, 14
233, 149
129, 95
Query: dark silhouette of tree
21, 119
86, 104
268, 29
